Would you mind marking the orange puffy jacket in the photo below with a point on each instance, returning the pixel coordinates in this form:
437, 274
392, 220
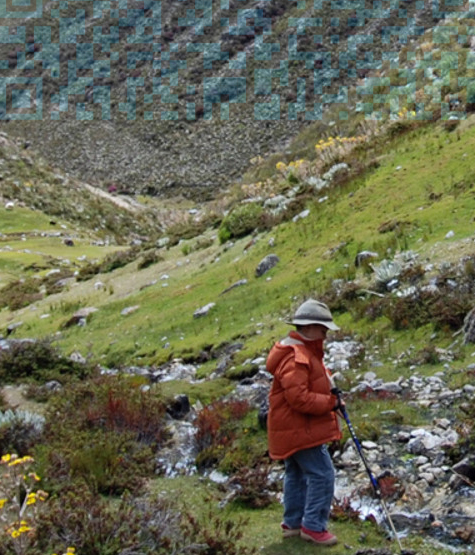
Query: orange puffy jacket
300, 402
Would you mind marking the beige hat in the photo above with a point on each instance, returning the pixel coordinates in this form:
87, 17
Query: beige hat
313, 312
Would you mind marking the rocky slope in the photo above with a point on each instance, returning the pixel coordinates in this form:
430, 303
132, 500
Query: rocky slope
167, 97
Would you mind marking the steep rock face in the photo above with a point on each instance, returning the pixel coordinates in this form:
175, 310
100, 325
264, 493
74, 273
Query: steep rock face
165, 96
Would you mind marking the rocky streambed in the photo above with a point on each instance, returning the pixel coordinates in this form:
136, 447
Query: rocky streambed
424, 492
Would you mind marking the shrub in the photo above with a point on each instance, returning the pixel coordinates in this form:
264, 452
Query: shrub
95, 526
444, 308
217, 535
185, 230
109, 462
151, 257
37, 360
149, 526
19, 500
21, 293
241, 221
466, 444
108, 435
216, 427
19, 431
110, 263
3, 402
252, 487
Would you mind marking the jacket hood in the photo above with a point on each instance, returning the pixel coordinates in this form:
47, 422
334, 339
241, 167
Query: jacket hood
287, 346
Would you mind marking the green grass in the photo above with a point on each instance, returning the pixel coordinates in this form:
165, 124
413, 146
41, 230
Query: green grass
262, 527
351, 220
24, 220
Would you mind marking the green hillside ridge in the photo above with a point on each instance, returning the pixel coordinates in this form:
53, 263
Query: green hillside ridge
423, 184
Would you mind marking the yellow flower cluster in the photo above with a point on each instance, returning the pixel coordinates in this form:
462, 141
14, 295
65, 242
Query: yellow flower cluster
18, 500
35, 496
18, 503
294, 165
258, 189
14, 460
338, 141
404, 113
69, 551
17, 529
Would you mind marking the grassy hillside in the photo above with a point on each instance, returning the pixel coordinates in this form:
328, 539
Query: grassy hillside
418, 190
408, 189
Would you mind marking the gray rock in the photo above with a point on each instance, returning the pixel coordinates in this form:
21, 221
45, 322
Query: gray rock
129, 310
238, 283
204, 310
301, 215
266, 264
364, 256
80, 317
77, 357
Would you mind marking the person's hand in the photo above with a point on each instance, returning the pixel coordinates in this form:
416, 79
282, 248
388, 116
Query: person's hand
339, 403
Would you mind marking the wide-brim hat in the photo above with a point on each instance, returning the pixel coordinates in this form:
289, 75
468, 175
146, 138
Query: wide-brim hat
313, 312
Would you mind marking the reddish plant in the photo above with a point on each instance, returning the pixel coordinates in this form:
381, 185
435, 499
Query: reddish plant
215, 423
120, 411
390, 487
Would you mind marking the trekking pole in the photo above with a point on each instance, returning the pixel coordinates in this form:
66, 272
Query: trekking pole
373, 480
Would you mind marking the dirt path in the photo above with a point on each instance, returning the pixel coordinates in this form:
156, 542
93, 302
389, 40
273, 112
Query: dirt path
127, 204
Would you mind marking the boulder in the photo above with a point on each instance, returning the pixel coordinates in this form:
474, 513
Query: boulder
203, 311
80, 317
266, 264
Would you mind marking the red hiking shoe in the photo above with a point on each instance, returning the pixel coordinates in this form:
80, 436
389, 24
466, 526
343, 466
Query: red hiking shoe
319, 538
289, 532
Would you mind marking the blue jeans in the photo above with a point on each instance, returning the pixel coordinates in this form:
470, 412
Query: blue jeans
309, 484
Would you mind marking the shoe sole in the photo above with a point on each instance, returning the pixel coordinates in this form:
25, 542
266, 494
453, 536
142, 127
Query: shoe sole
308, 538
290, 533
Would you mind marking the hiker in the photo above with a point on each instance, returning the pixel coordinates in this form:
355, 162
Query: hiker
302, 419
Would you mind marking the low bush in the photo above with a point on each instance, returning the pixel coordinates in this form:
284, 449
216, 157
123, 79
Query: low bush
110, 263
216, 428
19, 501
109, 433
23, 292
252, 487
19, 431
20, 293
445, 308
185, 230
40, 361
95, 526
241, 221
216, 534
149, 258
465, 446
149, 526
